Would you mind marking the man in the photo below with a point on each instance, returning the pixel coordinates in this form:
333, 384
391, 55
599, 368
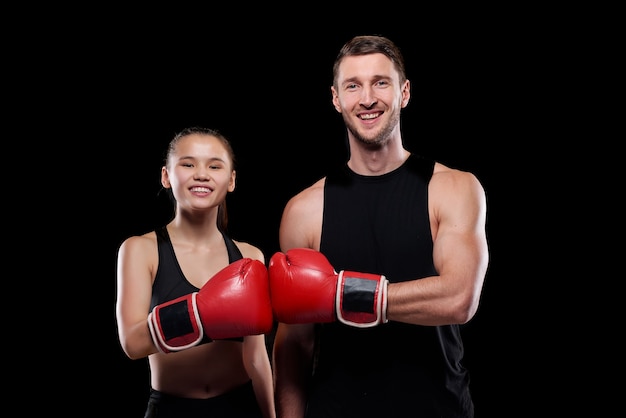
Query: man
381, 262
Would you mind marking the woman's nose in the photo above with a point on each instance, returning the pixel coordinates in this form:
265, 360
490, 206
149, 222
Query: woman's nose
202, 174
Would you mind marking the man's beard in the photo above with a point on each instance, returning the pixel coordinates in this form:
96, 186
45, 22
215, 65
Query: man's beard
383, 135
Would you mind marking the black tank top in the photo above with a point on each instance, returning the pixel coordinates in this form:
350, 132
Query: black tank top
169, 281
380, 224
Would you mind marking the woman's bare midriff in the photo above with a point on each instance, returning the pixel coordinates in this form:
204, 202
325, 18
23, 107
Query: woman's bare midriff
200, 372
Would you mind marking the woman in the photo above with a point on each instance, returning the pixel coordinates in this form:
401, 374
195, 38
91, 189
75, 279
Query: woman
217, 363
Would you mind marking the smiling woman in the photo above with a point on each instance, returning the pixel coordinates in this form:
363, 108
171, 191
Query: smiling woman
181, 289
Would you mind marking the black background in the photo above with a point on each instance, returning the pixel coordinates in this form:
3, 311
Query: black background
476, 105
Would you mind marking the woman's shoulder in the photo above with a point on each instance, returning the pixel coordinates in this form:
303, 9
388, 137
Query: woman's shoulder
139, 242
138, 250
250, 251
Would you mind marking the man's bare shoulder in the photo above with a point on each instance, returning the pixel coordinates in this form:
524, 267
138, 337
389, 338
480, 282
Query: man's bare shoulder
445, 176
301, 223
308, 198
454, 189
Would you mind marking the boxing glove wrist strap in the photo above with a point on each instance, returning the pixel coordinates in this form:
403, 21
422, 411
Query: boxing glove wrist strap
176, 325
361, 299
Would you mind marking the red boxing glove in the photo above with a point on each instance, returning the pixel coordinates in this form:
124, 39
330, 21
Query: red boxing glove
305, 288
232, 304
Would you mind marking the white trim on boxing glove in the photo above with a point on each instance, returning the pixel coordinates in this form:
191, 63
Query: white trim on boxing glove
385, 284
352, 302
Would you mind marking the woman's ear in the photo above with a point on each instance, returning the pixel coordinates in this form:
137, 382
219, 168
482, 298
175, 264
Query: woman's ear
165, 178
231, 182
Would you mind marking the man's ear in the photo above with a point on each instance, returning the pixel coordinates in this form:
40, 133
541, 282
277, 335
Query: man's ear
335, 99
406, 93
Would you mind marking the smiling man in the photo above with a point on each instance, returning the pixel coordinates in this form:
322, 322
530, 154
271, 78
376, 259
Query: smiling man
381, 261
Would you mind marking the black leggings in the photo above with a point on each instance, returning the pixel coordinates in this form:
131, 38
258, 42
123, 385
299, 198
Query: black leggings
238, 403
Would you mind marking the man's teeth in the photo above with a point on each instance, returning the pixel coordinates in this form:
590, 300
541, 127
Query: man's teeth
370, 116
200, 189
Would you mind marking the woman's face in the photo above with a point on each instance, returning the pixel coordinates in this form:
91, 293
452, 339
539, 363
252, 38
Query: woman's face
199, 171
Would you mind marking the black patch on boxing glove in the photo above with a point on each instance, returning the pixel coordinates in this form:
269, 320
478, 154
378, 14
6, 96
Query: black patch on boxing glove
175, 320
358, 295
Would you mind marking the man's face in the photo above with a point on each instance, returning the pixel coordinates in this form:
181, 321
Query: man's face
369, 96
